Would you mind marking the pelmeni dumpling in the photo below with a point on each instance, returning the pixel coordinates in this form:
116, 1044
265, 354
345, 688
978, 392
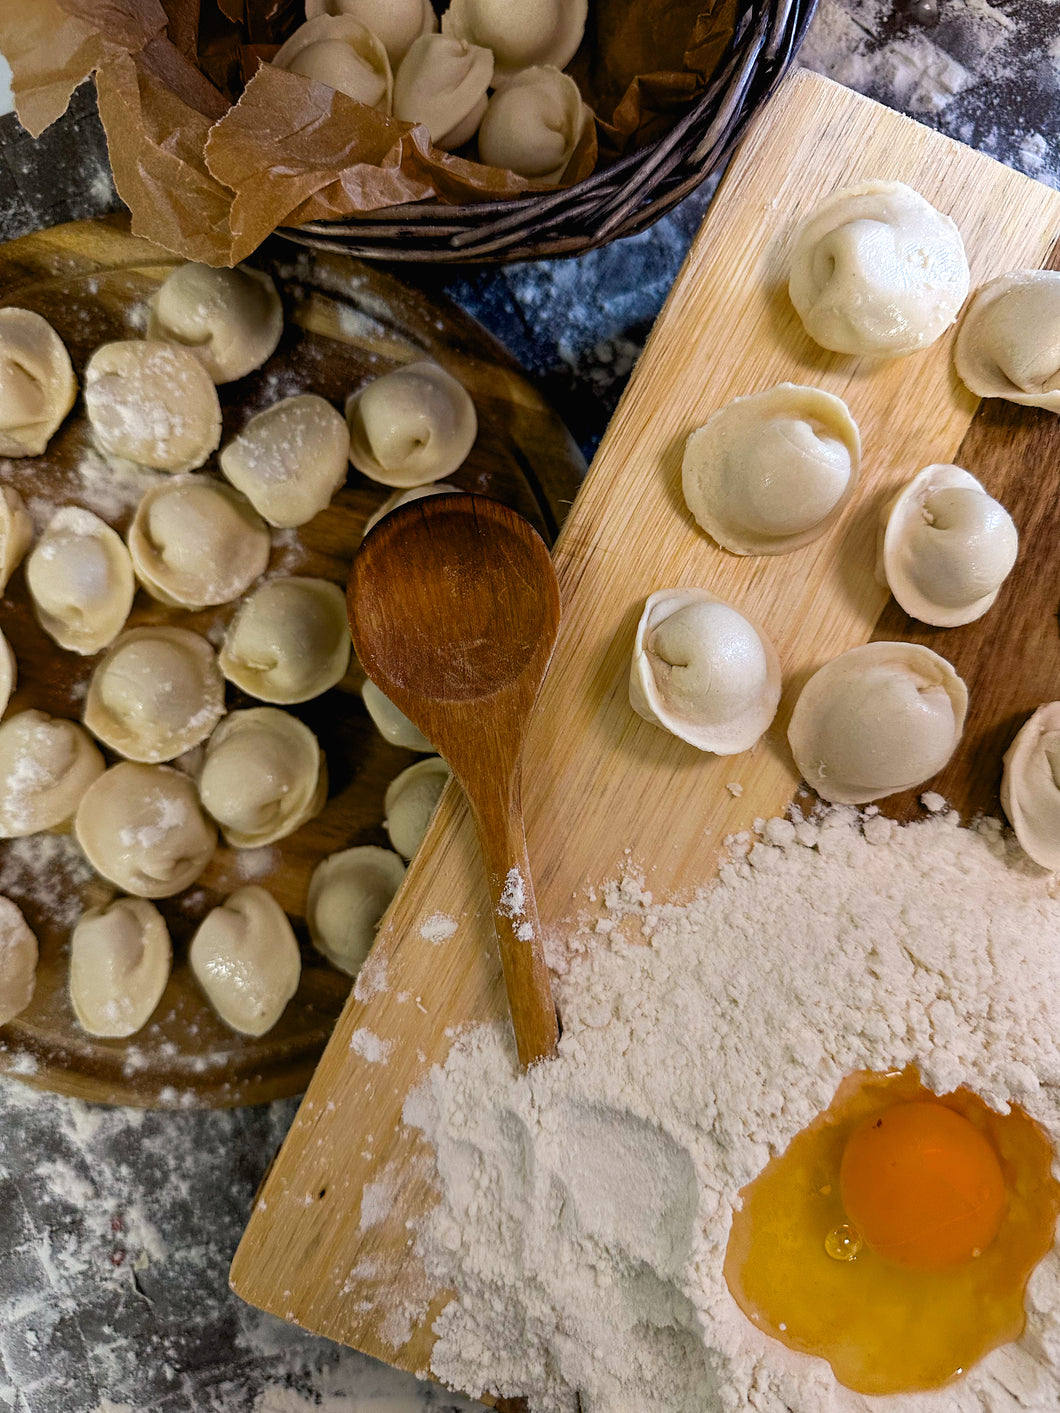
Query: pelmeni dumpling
533, 123
876, 270
344, 54
37, 383
703, 671
18, 962
875, 720
442, 83
153, 403
246, 959
120, 958
1008, 344
155, 694
16, 532
196, 542
945, 547
263, 776
8, 673
46, 765
290, 459
411, 800
440, 488
80, 580
289, 642
396, 23
1030, 785
771, 472
392, 723
348, 893
531, 32
142, 827
412, 426
231, 320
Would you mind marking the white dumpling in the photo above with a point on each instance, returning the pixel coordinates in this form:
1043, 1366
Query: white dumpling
398, 498
533, 124
411, 800
344, 54
1008, 344
246, 959
155, 694
120, 958
392, 723
196, 542
290, 459
1030, 785
80, 580
153, 403
443, 83
231, 320
348, 893
8, 673
877, 271
263, 776
771, 472
16, 532
46, 765
18, 961
396, 23
528, 33
289, 641
141, 827
412, 426
875, 720
945, 547
37, 383
703, 671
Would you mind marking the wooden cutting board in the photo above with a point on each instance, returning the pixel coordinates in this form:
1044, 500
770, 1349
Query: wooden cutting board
601, 786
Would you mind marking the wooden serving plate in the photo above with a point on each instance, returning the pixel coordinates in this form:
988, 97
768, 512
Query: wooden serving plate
345, 322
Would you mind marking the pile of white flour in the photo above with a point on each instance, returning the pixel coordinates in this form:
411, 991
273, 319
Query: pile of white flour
585, 1208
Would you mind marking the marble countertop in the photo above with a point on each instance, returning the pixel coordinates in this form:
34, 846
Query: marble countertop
117, 1226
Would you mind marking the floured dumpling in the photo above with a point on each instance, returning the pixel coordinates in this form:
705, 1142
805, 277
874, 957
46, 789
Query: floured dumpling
8, 673
141, 827
344, 54
395, 22
392, 723
46, 765
290, 459
289, 642
231, 320
1008, 344
875, 720
1030, 785
414, 425
533, 123
18, 962
945, 547
16, 532
771, 472
876, 270
37, 383
411, 800
246, 959
120, 957
157, 693
521, 35
442, 83
703, 671
152, 403
348, 893
263, 776
440, 488
196, 542
80, 580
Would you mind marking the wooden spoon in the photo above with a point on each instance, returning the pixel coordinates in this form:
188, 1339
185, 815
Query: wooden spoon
454, 608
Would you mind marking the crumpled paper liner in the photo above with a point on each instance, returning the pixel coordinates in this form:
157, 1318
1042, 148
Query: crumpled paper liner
212, 148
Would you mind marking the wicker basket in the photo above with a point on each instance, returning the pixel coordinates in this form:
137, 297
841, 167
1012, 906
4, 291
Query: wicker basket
619, 200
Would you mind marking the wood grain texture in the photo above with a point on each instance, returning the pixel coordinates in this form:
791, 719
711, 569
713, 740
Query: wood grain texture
601, 786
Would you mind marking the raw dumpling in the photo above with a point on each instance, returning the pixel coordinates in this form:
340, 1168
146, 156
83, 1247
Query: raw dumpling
533, 124
771, 472
289, 642
8, 673
290, 459
703, 671
442, 83
875, 720
120, 956
157, 693
246, 959
80, 580
392, 724
348, 893
396, 23
46, 765
18, 962
876, 270
141, 827
37, 383
231, 320
152, 403
16, 532
531, 32
414, 425
344, 54
1030, 785
263, 776
440, 488
195, 542
1008, 344
411, 800
945, 547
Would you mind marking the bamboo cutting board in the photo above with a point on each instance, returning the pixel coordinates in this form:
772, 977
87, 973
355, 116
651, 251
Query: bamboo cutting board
601, 786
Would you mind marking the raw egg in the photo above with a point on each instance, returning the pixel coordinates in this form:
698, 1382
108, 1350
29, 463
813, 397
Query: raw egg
896, 1234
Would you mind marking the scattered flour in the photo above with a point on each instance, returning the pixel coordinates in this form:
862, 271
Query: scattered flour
438, 928
370, 1046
